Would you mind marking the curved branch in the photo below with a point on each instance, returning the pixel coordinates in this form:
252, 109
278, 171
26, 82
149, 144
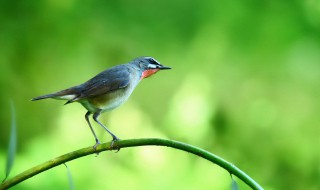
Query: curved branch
232, 169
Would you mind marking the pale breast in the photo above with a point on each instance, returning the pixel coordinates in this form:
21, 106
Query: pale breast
113, 99
110, 100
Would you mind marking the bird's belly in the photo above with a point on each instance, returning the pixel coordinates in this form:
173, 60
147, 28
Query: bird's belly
106, 102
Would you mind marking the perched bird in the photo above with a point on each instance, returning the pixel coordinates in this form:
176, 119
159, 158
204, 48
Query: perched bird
108, 90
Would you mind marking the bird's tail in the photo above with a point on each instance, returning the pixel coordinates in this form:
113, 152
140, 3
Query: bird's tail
67, 94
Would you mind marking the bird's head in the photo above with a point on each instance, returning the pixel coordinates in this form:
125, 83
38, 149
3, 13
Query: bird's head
148, 66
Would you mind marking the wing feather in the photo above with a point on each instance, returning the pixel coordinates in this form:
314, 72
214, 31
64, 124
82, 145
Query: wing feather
107, 81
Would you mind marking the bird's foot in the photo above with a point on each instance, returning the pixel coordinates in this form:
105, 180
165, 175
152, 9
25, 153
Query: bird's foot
112, 143
95, 146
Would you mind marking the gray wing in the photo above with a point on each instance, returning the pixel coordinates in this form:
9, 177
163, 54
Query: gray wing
106, 81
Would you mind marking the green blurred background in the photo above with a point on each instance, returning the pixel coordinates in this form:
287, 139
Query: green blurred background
244, 85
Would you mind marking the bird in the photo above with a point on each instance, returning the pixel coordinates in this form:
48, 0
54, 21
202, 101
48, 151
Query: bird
108, 90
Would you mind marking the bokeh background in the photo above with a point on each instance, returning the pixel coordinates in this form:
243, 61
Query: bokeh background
244, 85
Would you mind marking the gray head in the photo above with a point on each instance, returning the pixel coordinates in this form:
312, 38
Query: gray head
148, 66
146, 63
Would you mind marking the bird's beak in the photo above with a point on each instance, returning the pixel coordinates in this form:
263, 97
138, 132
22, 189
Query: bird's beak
164, 67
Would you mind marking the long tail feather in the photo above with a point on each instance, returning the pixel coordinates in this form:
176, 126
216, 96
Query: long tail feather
68, 94
44, 97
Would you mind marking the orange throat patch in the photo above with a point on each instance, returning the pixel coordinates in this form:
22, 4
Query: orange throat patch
148, 73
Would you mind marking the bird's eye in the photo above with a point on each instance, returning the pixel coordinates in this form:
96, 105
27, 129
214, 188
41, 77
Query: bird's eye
153, 61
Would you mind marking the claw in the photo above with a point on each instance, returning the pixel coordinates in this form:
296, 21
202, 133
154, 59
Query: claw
112, 142
95, 146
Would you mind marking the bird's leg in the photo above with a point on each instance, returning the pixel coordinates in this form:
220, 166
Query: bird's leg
114, 138
94, 134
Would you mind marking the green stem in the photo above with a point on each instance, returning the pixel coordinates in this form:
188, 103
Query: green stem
232, 169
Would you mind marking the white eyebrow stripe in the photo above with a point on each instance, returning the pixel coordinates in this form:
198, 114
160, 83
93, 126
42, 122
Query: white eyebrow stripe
152, 66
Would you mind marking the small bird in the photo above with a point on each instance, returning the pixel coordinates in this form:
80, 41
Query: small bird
108, 90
